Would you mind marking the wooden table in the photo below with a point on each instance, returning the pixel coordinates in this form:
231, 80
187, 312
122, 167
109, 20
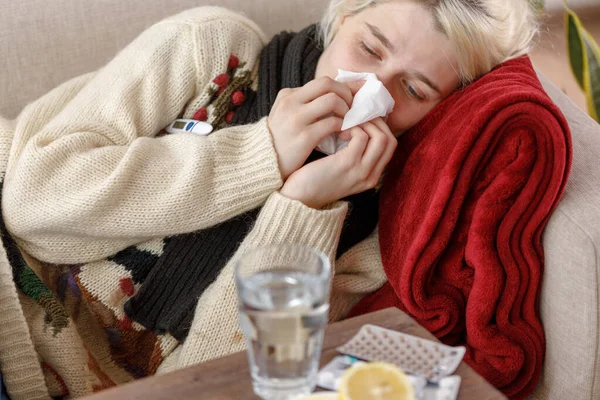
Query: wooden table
229, 377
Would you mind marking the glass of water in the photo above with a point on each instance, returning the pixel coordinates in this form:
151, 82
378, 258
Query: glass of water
283, 295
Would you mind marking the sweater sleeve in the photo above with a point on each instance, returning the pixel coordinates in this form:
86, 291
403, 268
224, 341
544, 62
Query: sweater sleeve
93, 180
358, 272
215, 331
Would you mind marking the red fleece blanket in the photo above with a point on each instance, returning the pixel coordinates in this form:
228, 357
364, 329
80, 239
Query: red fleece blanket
462, 210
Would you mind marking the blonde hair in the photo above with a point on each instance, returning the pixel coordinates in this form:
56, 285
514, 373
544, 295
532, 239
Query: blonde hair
484, 33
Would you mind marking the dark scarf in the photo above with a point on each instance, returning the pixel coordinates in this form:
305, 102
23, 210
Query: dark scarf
174, 281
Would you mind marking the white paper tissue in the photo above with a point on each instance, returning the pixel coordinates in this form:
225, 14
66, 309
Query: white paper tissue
371, 101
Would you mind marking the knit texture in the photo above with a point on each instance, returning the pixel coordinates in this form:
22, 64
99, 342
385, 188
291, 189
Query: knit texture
87, 177
21, 369
215, 327
19, 362
107, 182
191, 262
289, 61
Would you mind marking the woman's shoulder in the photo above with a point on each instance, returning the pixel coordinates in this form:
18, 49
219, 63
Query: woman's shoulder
218, 20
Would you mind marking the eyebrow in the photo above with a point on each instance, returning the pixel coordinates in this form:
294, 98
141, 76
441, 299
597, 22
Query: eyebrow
375, 31
426, 80
379, 35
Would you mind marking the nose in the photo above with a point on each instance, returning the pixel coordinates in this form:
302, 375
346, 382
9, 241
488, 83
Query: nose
387, 78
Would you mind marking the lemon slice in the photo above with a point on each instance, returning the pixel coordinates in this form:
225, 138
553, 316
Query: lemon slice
322, 396
375, 381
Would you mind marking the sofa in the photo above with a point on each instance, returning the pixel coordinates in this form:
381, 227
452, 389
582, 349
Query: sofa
42, 44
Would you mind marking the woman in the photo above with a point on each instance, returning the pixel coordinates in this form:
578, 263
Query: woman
90, 179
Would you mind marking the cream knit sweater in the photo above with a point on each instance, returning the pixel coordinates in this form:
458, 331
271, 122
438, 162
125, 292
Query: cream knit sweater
86, 177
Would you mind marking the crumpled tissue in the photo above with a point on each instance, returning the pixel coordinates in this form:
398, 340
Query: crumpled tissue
371, 101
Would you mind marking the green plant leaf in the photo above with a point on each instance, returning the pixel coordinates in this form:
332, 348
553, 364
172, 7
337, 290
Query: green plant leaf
592, 75
575, 45
584, 57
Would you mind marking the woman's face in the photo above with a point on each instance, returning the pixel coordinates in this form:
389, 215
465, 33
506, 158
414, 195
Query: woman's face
398, 42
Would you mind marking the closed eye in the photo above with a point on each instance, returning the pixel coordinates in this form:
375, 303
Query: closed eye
412, 92
369, 50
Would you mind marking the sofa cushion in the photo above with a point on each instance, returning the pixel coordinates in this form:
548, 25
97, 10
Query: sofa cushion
569, 302
46, 43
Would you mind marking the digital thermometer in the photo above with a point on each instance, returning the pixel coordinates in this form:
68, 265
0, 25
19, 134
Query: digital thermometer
190, 125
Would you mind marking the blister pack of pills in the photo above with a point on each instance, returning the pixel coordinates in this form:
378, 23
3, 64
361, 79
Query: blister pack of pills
415, 356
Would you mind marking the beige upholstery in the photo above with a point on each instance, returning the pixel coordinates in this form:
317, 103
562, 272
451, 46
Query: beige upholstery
43, 43
570, 288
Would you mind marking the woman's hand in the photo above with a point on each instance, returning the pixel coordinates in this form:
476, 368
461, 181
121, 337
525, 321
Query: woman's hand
302, 117
353, 169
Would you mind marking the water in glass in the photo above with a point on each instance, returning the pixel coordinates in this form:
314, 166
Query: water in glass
283, 313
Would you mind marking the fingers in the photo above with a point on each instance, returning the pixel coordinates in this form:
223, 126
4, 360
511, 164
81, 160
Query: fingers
377, 144
379, 151
355, 86
284, 93
324, 127
392, 144
357, 146
369, 151
345, 135
324, 105
381, 124
318, 87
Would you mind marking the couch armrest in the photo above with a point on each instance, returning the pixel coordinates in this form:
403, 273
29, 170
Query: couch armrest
570, 297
